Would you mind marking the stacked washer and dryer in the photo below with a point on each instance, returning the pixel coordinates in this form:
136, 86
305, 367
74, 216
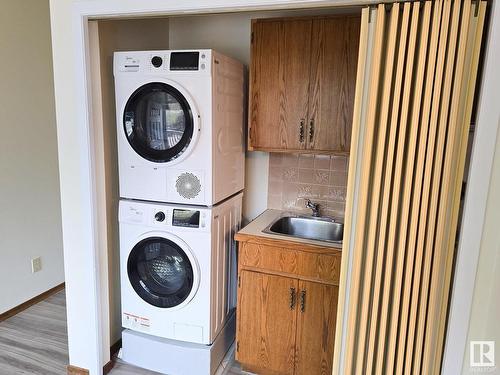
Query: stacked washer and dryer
181, 172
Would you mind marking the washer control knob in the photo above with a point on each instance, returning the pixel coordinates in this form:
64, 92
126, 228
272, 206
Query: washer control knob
156, 61
160, 216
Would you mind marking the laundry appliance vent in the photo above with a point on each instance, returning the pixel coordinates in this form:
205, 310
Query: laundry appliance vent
188, 185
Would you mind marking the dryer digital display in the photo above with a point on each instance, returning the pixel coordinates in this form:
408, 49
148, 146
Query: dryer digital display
186, 218
184, 60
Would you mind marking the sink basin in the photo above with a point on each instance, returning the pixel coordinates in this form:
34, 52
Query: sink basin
321, 229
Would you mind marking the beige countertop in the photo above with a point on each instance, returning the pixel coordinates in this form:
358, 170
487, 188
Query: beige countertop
256, 227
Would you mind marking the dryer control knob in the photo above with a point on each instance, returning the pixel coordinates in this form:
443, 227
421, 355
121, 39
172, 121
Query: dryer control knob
156, 61
160, 216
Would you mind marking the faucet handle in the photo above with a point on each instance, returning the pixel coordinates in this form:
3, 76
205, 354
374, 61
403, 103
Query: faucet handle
313, 206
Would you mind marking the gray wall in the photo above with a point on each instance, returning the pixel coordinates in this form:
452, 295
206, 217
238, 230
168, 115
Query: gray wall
30, 213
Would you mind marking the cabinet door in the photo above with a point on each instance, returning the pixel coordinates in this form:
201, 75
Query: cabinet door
279, 84
333, 83
317, 315
266, 324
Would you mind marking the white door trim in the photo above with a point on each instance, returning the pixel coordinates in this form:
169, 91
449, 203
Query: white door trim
483, 152
83, 11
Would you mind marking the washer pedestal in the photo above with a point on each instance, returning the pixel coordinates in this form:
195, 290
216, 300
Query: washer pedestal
174, 357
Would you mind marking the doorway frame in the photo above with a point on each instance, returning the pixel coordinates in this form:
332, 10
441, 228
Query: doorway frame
86, 276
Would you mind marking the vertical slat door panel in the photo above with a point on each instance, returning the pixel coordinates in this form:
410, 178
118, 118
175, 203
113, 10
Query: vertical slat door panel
446, 140
418, 181
358, 272
408, 251
357, 136
473, 48
434, 182
397, 228
390, 63
387, 219
405, 184
445, 196
383, 220
419, 283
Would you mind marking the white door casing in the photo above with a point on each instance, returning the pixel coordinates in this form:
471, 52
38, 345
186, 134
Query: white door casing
85, 271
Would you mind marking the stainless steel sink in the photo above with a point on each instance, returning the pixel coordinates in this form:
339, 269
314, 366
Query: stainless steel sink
313, 228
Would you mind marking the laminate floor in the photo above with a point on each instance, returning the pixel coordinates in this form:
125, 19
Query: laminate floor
35, 342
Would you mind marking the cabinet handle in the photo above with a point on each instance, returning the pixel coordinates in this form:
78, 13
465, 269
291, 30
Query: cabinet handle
311, 130
301, 131
303, 301
293, 296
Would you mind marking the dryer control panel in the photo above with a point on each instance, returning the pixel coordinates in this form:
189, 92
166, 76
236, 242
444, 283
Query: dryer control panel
173, 61
184, 60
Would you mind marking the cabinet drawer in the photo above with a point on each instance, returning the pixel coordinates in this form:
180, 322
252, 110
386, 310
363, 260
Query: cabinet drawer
323, 267
268, 258
308, 265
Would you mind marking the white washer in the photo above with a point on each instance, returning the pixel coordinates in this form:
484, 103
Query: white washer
178, 268
180, 126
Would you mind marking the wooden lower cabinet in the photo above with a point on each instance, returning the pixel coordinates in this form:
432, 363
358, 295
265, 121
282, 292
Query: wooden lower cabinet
285, 325
266, 322
317, 315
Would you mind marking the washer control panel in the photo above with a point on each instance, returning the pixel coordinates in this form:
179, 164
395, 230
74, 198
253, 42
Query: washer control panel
186, 218
164, 215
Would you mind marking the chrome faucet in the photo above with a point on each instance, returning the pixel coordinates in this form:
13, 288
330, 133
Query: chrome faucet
314, 207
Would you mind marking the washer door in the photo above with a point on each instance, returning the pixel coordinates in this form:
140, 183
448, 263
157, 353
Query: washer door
158, 122
160, 272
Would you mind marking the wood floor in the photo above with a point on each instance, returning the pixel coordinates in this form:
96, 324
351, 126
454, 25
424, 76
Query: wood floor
35, 342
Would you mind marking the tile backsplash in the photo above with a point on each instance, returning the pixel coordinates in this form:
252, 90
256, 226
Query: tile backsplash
321, 178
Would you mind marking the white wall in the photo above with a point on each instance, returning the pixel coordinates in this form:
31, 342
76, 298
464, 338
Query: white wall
212, 32
230, 34
79, 267
82, 275
118, 35
30, 216
475, 305
484, 324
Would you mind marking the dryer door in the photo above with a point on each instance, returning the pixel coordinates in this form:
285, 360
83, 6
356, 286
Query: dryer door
160, 272
158, 122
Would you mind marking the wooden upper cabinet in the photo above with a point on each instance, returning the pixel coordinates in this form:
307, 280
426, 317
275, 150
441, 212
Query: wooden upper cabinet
335, 44
281, 52
302, 82
267, 324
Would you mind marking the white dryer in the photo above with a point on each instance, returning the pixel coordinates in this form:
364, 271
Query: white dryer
178, 268
180, 126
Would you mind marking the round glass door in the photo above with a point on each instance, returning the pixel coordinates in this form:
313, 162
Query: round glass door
160, 272
158, 122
